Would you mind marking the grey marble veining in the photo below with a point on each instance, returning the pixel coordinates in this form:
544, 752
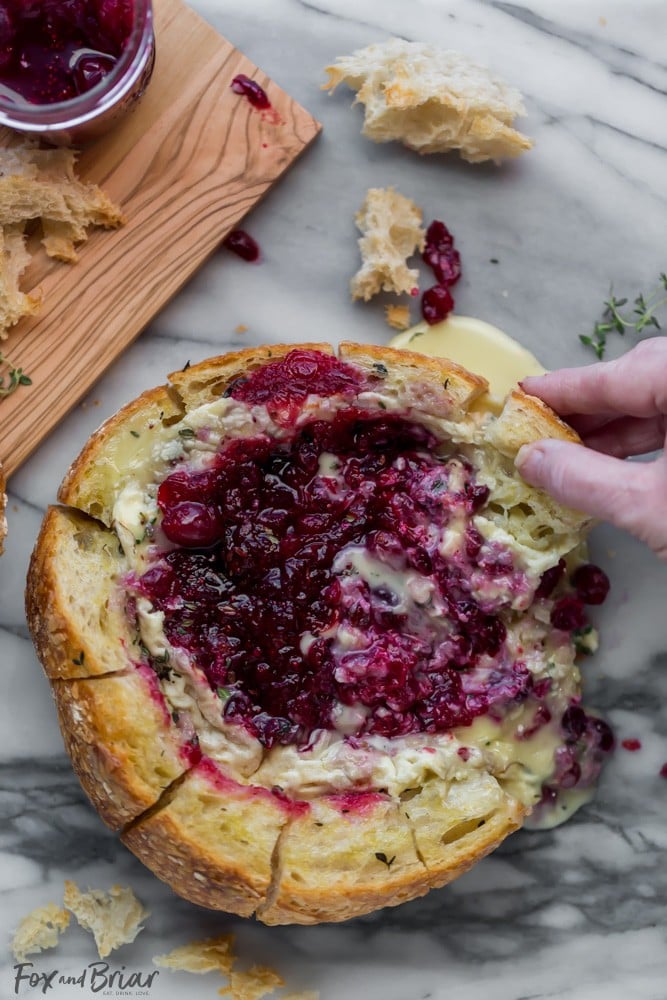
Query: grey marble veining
578, 913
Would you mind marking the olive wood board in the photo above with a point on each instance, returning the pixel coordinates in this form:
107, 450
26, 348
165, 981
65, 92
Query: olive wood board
186, 165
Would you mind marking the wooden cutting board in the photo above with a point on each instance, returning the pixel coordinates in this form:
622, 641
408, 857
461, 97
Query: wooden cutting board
186, 166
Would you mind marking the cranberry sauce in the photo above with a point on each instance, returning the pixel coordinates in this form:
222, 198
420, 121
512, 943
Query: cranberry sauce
284, 385
586, 742
251, 90
54, 50
262, 585
311, 584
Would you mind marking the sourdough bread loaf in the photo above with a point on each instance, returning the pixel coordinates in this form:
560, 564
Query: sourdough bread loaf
392, 710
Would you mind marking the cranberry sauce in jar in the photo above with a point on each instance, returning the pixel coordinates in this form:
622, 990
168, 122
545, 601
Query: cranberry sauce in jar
70, 68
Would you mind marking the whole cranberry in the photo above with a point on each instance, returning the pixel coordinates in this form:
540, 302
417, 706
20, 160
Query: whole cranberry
568, 614
549, 579
242, 244
591, 584
574, 723
193, 525
437, 303
603, 734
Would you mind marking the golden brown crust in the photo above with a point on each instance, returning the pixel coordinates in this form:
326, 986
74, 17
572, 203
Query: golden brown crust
436, 385
526, 418
216, 842
77, 628
459, 823
207, 381
116, 451
119, 737
338, 861
213, 841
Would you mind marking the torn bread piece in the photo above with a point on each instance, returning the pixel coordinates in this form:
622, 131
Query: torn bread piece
398, 317
254, 984
432, 100
39, 931
41, 184
391, 228
14, 258
114, 918
199, 957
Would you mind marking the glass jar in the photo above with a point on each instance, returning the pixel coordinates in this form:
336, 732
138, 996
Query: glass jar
115, 89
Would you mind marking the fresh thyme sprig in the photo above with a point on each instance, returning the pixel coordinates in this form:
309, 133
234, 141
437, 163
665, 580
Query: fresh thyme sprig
642, 316
12, 378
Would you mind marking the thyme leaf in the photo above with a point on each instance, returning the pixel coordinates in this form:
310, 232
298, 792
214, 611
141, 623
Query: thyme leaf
616, 318
11, 377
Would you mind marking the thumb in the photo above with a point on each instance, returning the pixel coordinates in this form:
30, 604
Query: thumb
628, 495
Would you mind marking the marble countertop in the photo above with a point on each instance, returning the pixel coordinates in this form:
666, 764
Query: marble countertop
579, 912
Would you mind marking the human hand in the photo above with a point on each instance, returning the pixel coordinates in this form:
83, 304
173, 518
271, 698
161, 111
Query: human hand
620, 409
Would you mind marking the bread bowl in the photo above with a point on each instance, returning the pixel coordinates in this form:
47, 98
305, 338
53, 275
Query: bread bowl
297, 610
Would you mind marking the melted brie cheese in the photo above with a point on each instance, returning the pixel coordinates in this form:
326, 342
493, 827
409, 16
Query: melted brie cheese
479, 347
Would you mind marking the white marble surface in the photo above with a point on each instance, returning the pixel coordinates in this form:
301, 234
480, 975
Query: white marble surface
574, 913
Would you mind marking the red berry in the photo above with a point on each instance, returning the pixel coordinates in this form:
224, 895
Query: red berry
591, 584
632, 745
242, 245
257, 96
193, 525
549, 579
663, 770
439, 254
437, 303
568, 614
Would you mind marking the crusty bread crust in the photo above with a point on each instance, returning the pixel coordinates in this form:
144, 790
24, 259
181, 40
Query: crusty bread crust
219, 843
77, 629
124, 750
213, 841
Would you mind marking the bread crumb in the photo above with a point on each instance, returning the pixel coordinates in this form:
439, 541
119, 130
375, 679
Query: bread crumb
254, 984
602, 21
14, 258
397, 317
199, 957
40, 184
304, 995
391, 227
432, 100
241, 328
114, 918
39, 931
